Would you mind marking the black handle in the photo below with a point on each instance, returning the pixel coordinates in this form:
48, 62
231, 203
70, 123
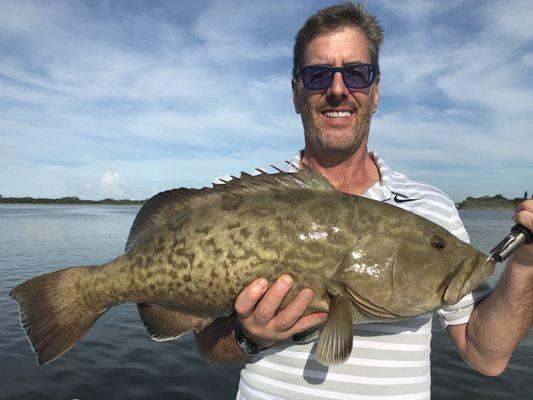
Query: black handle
522, 229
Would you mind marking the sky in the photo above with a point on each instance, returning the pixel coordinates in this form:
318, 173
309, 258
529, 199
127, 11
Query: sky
124, 99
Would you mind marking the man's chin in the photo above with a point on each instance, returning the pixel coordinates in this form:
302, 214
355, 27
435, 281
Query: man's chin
336, 149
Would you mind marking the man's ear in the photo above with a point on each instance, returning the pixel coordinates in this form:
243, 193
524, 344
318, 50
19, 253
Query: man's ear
295, 93
375, 97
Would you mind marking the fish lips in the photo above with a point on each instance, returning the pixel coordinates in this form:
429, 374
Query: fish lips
468, 275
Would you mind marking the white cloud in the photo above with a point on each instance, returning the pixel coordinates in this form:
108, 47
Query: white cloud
111, 185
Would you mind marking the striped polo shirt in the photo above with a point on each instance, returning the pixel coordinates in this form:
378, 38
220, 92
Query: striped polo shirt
389, 361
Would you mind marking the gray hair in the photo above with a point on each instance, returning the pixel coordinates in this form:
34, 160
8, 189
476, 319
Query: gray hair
333, 19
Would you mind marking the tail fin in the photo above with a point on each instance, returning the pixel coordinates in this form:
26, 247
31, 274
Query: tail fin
53, 311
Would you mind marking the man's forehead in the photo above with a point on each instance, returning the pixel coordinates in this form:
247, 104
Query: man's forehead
346, 45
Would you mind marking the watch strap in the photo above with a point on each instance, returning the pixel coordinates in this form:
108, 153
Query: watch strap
246, 345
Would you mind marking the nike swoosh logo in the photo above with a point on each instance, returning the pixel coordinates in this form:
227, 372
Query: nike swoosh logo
403, 199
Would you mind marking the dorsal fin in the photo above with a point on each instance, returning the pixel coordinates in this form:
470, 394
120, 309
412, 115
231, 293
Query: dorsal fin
156, 211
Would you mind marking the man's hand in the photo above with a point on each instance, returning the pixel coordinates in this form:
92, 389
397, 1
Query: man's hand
257, 312
524, 216
261, 322
500, 322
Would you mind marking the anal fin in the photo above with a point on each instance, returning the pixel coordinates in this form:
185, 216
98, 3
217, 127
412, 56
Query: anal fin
165, 323
336, 338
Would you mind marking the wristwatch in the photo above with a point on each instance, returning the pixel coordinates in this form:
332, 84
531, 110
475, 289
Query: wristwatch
246, 345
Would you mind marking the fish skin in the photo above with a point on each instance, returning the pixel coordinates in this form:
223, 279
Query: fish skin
193, 251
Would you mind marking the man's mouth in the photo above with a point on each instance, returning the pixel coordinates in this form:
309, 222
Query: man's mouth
337, 114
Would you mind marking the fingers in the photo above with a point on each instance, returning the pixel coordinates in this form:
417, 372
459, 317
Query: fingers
525, 218
524, 214
261, 320
525, 205
286, 318
269, 304
249, 296
308, 322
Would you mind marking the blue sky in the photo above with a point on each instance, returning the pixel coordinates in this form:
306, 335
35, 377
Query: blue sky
128, 98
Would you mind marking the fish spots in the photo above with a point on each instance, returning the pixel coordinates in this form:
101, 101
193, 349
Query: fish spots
245, 232
179, 243
187, 277
170, 258
231, 203
232, 258
249, 253
170, 289
227, 268
182, 265
203, 230
177, 223
233, 226
173, 274
180, 251
190, 258
263, 234
217, 252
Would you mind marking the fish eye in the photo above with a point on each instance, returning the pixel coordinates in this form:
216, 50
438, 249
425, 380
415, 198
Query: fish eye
438, 242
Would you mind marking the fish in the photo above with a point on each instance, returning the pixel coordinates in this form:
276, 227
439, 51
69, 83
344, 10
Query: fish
190, 252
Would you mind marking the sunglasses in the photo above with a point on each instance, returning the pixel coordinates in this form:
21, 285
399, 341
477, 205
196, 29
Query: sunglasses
354, 76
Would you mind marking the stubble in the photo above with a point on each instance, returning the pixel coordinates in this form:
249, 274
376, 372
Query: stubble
327, 142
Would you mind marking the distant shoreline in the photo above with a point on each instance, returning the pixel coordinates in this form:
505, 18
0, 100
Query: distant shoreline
485, 202
489, 202
67, 200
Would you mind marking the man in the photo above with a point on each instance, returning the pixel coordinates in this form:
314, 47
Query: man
389, 360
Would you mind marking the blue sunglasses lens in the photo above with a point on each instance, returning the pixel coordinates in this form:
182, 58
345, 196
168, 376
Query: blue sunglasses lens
318, 77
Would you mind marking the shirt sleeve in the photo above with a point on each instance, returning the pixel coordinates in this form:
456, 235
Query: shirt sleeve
459, 313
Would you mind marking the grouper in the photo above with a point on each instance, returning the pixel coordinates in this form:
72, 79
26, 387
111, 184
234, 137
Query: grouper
191, 251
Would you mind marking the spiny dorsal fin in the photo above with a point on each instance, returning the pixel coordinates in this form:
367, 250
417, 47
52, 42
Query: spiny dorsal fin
157, 210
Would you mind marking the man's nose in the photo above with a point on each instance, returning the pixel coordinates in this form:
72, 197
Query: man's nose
337, 89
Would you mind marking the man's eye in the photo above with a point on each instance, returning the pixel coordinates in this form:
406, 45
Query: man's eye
320, 74
353, 72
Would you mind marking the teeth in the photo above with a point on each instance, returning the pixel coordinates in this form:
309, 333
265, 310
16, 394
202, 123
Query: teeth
337, 114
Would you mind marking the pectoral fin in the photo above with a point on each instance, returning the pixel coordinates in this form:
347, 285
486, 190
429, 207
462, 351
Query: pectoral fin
336, 339
167, 324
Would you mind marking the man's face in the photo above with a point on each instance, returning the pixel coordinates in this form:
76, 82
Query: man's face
327, 131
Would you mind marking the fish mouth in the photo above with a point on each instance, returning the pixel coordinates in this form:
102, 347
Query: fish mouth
467, 276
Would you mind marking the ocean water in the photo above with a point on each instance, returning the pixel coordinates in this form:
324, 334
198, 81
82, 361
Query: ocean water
118, 360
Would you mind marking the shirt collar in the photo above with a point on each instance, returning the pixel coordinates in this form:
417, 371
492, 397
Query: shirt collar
380, 190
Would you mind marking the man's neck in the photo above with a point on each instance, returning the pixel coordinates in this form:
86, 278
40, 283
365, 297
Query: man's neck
352, 174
